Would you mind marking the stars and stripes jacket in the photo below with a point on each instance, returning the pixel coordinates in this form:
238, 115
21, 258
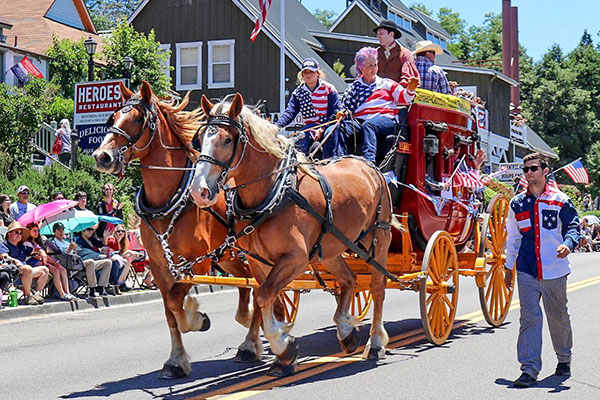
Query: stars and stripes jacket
536, 227
381, 97
316, 107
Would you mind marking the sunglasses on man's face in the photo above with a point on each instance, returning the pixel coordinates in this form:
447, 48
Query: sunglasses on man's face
533, 168
89, 229
120, 231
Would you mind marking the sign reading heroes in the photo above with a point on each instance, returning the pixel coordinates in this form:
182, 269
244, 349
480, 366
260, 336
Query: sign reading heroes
94, 103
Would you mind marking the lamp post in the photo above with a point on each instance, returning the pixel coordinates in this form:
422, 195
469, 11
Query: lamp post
90, 47
127, 63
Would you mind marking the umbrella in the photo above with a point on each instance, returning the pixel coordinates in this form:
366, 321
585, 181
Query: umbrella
73, 220
110, 219
46, 210
592, 219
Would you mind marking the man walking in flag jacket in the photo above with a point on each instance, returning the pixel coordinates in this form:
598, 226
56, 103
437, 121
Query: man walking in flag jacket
543, 228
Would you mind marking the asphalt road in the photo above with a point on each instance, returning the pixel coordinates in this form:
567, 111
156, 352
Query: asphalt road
118, 352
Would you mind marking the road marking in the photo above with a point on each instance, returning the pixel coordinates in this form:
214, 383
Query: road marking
311, 367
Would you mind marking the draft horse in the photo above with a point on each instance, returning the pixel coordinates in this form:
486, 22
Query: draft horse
237, 144
158, 133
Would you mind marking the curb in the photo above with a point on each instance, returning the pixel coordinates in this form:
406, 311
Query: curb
56, 307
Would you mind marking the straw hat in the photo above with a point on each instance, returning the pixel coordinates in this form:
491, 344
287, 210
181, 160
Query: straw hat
428, 45
15, 226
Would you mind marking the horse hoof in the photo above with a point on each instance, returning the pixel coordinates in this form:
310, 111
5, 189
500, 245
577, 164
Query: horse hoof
350, 343
171, 372
245, 356
281, 370
290, 354
205, 323
374, 353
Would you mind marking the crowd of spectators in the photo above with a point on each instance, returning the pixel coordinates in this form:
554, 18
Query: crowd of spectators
93, 262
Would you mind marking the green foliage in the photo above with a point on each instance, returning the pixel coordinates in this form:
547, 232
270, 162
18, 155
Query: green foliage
108, 13
338, 67
326, 17
148, 57
592, 163
573, 193
56, 178
69, 64
60, 108
421, 7
591, 212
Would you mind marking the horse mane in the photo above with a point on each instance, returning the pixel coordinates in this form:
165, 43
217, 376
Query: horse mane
183, 124
264, 132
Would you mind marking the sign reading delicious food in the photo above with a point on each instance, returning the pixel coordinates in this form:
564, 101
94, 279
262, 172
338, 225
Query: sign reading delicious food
94, 103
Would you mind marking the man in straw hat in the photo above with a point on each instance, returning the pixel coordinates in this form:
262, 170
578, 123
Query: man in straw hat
394, 61
14, 249
432, 76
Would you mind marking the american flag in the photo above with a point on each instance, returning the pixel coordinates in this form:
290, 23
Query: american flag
551, 182
487, 179
577, 172
468, 180
264, 8
522, 183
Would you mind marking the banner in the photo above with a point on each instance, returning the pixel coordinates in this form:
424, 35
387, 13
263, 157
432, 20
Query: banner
434, 99
24, 68
94, 103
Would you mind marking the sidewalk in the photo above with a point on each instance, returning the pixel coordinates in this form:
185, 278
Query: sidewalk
53, 306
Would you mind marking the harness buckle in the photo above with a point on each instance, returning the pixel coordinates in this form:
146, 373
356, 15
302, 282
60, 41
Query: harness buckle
230, 240
248, 230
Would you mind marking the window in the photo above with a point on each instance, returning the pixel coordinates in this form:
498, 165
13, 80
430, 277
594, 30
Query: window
407, 24
444, 45
391, 15
436, 40
429, 36
167, 63
221, 63
188, 68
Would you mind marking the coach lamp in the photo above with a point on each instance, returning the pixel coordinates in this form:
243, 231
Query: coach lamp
90, 48
127, 64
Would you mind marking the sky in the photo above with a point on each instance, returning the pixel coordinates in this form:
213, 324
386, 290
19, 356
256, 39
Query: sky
541, 22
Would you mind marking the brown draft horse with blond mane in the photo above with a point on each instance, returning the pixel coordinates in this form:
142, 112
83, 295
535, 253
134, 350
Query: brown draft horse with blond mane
158, 133
236, 143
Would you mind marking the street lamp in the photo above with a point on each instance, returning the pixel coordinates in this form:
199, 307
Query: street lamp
127, 63
90, 47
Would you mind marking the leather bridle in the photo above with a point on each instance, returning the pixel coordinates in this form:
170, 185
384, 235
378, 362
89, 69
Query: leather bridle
215, 121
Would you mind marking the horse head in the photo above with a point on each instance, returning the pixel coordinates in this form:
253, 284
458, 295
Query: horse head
131, 130
221, 142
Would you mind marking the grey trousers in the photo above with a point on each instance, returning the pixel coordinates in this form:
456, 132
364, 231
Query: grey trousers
529, 345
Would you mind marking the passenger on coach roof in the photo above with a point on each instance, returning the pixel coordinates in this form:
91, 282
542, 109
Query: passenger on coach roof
432, 76
395, 62
370, 108
315, 99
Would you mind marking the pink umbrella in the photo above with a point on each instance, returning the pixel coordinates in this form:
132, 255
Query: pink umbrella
46, 210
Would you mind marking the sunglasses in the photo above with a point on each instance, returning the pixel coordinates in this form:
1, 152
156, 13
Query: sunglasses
533, 168
25, 192
120, 231
18, 232
89, 229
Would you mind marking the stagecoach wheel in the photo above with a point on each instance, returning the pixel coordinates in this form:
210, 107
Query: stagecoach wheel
495, 297
439, 288
361, 302
290, 300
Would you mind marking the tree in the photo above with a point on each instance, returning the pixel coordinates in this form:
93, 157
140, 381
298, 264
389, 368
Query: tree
421, 7
326, 17
106, 14
338, 67
148, 57
69, 64
455, 26
592, 163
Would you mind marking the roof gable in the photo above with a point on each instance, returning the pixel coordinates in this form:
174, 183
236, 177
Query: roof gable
64, 11
431, 24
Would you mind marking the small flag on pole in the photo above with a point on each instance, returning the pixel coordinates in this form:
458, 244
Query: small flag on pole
522, 183
468, 180
24, 68
487, 179
552, 182
390, 177
264, 9
577, 172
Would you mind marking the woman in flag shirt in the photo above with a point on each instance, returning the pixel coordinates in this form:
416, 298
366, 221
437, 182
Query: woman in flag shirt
315, 99
543, 228
373, 102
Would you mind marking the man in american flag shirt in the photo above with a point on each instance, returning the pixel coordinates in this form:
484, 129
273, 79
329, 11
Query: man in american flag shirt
543, 228
373, 103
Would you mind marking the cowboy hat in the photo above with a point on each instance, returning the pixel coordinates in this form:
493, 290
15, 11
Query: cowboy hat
428, 45
390, 26
15, 226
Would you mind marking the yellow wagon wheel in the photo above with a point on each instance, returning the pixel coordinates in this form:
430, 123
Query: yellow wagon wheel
439, 288
495, 297
290, 300
361, 302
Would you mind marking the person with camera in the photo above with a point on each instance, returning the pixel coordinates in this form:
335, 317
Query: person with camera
16, 252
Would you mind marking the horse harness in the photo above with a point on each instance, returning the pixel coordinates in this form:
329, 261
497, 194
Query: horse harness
282, 193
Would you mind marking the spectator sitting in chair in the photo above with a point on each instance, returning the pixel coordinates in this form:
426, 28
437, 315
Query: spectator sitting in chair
22, 205
432, 76
90, 247
118, 243
18, 253
92, 261
36, 241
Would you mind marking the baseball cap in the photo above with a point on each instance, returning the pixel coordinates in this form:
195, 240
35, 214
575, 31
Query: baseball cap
310, 64
22, 188
57, 226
